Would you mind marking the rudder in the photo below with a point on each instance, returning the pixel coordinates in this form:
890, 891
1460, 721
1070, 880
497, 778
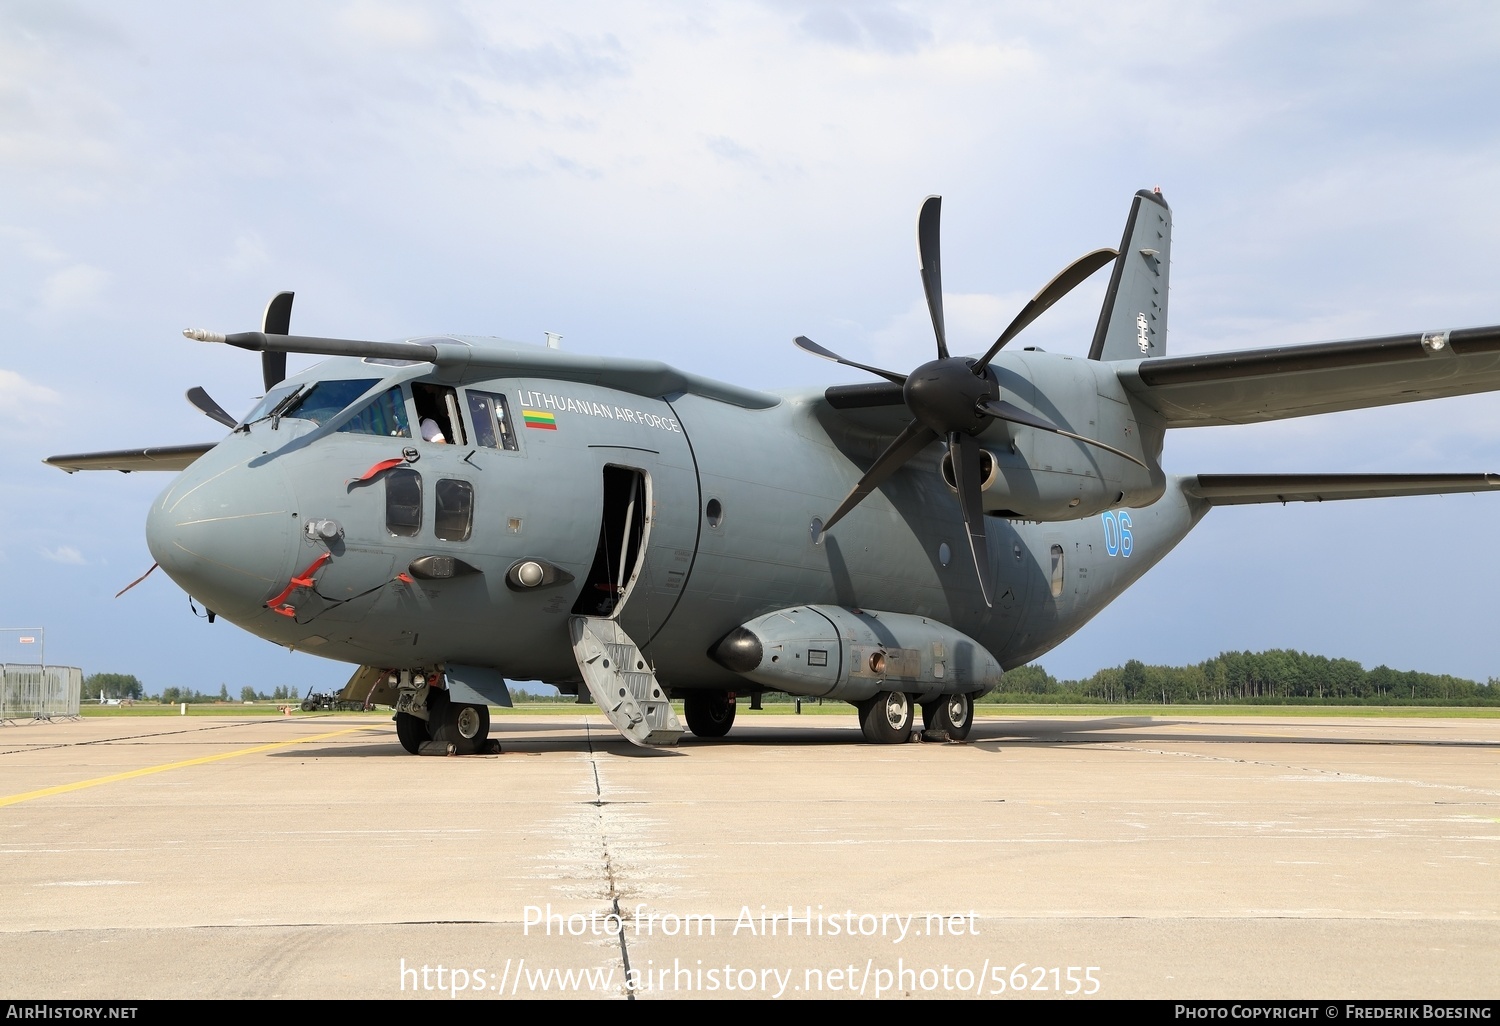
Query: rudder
1133, 321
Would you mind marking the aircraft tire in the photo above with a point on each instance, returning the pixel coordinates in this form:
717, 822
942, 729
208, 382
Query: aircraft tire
466, 726
886, 718
411, 731
953, 714
709, 714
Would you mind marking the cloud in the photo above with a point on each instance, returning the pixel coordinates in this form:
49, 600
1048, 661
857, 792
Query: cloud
249, 253
31, 244
731, 151
73, 288
571, 63
971, 321
885, 27
394, 26
19, 398
65, 554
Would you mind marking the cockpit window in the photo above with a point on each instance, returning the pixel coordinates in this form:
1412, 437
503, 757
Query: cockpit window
327, 398
491, 416
270, 402
385, 415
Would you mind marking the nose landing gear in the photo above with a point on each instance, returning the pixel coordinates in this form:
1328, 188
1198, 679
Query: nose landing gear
451, 728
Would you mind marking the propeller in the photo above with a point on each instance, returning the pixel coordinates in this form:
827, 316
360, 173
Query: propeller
953, 399
205, 403
277, 320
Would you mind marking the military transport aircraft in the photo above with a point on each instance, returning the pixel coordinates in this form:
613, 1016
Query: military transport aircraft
450, 512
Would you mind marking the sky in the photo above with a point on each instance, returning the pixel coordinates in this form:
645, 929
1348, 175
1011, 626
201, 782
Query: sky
700, 183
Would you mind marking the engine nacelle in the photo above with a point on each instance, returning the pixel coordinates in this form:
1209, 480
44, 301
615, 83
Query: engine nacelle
1012, 486
851, 655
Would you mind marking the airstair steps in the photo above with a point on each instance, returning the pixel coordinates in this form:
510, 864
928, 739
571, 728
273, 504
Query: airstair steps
622, 683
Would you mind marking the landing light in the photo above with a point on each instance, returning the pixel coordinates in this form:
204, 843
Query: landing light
323, 530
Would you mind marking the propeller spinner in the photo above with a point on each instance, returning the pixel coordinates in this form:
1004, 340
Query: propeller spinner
954, 398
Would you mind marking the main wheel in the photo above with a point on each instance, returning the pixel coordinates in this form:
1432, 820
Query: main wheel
953, 714
411, 731
467, 726
886, 718
710, 713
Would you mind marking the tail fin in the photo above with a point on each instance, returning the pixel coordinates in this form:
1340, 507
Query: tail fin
1133, 321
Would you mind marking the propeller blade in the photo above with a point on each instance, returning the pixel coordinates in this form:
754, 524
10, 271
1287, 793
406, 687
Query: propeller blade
205, 405
967, 471
1067, 280
1002, 410
277, 321
930, 264
807, 345
907, 444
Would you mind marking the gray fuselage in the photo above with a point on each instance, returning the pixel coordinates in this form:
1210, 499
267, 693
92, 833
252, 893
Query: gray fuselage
723, 498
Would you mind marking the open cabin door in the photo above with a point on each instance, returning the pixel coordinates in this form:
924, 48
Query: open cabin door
622, 543
615, 669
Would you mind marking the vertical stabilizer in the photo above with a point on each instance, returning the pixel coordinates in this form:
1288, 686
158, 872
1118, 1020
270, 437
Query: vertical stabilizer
1133, 322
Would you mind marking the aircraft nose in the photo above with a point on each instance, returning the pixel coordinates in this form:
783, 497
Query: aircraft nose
227, 534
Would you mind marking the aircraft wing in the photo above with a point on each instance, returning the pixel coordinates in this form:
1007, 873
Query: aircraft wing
1255, 385
161, 457
1242, 489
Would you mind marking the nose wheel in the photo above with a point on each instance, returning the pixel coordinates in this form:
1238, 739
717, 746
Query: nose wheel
467, 727
411, 731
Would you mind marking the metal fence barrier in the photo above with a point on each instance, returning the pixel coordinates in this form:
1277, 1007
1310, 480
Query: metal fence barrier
31, 692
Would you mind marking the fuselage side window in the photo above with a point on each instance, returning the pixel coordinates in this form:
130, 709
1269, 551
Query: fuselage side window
455, 510
403, 502
492, 425
386, 415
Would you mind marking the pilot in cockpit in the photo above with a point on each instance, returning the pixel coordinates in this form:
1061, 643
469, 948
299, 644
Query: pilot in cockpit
431, 432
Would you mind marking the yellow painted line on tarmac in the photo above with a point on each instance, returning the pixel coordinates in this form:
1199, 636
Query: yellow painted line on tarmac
45, 792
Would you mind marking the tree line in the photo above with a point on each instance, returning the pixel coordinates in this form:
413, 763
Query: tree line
128, 686
1277, 676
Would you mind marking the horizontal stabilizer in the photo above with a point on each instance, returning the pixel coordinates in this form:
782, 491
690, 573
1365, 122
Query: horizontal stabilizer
160, 457
1243, 489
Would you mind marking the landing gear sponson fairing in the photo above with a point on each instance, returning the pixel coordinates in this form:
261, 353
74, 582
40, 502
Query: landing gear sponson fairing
640, 533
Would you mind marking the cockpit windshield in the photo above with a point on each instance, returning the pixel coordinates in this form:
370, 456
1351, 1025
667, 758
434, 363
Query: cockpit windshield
272, 399
327, 398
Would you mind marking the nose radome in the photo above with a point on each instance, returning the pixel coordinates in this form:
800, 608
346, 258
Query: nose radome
225, 534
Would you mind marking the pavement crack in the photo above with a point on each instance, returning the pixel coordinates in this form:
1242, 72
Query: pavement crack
599, 803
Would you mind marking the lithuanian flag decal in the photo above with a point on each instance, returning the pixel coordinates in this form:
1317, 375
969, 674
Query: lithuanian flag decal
539, 419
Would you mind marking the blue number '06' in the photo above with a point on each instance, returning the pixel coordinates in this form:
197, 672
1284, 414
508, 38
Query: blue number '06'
1117, 539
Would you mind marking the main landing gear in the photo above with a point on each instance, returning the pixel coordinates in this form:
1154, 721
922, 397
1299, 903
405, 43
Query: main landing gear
951, 714
887, 718
709, 713
459, 729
